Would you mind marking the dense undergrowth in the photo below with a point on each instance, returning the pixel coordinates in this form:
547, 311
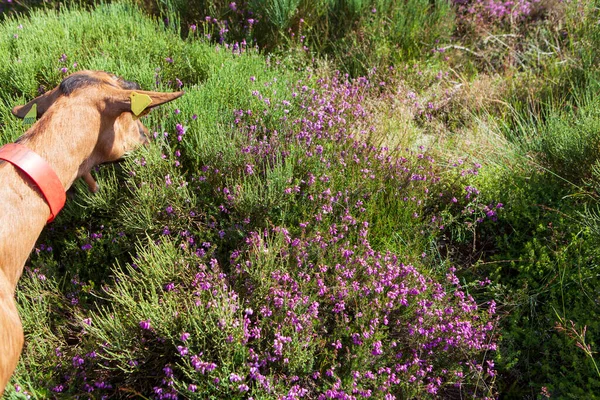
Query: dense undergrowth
353, 199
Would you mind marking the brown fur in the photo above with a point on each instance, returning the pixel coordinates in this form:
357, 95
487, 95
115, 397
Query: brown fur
84, 122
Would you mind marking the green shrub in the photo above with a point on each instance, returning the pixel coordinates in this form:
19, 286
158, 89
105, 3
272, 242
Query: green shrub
544, 262
357, 35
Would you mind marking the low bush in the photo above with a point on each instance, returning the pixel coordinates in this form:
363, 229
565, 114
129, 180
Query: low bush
543, 261
357, 35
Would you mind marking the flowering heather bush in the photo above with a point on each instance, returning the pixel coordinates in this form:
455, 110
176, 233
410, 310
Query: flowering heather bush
495, 11
302, 304
499, 35
261, 247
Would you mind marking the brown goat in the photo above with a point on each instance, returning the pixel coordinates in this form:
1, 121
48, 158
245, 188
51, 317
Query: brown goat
85, 121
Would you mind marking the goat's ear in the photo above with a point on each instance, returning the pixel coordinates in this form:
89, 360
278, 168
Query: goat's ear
42, 102
138, 101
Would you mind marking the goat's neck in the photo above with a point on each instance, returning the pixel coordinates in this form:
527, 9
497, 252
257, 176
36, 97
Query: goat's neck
23, 210
65, 146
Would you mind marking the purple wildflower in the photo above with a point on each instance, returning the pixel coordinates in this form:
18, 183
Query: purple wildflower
145, 325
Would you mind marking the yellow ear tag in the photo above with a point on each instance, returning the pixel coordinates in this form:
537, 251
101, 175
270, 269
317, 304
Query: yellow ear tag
139, 102
31, 115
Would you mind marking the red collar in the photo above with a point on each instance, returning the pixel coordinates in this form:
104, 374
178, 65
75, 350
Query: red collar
39, 171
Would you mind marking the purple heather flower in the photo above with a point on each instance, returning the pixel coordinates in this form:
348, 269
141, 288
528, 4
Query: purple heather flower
78, 361
182, 350
145, 324
377, 348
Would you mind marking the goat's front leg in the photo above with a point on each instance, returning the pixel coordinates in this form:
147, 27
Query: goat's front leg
11, 333
91, 182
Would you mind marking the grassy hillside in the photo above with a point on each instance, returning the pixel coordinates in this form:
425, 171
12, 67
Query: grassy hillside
405, 209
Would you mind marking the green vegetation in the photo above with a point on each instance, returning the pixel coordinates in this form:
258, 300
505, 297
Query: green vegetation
352, 199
